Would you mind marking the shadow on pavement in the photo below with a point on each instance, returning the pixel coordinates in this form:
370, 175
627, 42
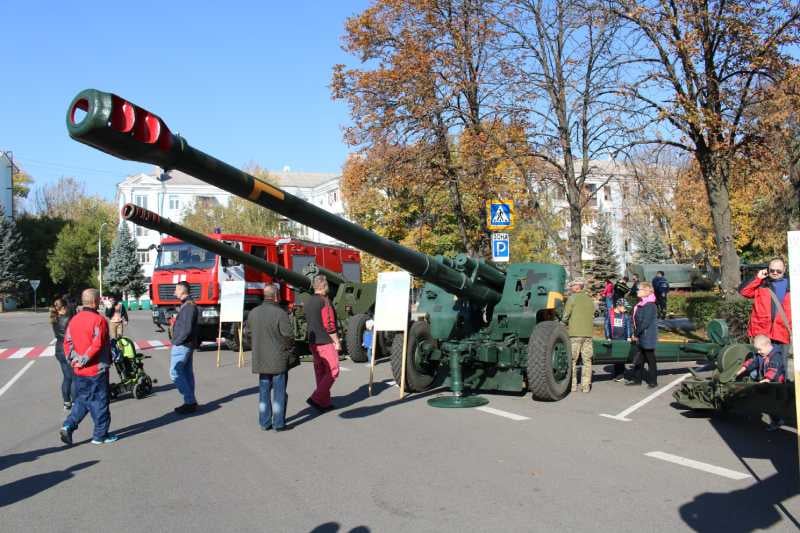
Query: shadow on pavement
609, 375
7, 461
760, 505
170, 417
334, 527
369, 410
22, 489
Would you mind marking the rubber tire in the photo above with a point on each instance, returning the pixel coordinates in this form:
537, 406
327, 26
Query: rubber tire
356, 325
542, 384
232, 342
416, 379
139, 390
113, 391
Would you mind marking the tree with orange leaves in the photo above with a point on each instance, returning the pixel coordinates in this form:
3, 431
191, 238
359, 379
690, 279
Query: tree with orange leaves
699, 66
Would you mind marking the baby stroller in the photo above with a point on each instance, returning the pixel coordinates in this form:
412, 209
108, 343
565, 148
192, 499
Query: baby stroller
130, 368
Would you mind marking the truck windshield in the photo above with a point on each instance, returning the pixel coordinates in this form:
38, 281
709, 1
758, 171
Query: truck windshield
183, 255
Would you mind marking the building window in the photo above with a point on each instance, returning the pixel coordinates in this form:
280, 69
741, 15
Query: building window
624, 188
607, 192
143, 256
174, 202
207, 202
591, 197
141, 231
333, 196
627, 245
140, 200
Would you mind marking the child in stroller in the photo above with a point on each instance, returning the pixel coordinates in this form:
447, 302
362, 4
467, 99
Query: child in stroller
130, 368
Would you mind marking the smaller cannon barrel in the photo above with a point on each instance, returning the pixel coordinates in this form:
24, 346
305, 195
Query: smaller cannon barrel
142, 217
125, 130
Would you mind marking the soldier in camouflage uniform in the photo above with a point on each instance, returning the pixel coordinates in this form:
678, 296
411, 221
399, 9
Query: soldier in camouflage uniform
579, 317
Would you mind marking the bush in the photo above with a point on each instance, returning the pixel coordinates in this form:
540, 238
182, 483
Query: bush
677, 302
736, 312
702, 307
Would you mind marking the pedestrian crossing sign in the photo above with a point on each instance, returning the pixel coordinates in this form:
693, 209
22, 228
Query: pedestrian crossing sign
499, 214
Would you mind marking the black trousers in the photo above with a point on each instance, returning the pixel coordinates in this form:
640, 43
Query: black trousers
643, 355
67, 383
661, 305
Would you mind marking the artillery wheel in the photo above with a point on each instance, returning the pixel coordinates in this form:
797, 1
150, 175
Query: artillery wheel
233, 341
356, 325
549, 361
419, 375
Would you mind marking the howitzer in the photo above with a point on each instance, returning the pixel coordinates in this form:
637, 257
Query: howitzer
353, 301
722, 391
492, 329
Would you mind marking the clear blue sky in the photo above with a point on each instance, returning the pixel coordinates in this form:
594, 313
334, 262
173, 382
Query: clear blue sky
243, 81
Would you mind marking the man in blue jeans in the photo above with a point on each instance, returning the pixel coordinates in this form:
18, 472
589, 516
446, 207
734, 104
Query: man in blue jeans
184, 341
273, 356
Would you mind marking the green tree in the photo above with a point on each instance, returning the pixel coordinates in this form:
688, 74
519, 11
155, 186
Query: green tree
39, 236
73, 261
124, 272
12, 252
605, 264
650, 247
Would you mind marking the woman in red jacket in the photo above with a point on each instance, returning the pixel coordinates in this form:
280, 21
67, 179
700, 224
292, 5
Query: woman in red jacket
766, 317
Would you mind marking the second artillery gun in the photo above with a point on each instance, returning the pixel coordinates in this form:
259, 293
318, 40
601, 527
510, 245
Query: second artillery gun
492, 329
354, 302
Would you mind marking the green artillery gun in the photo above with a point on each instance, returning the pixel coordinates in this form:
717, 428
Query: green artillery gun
492, 329
354, 302
722, 392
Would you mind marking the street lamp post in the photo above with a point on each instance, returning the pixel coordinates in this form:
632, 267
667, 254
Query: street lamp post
100, 257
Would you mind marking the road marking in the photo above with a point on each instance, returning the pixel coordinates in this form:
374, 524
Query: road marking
50, 351
705, 467
36, 352
52, 342
5, 354
392, 383
15, 378
22, 352
142, 345
622, 417
504, 414
345, 369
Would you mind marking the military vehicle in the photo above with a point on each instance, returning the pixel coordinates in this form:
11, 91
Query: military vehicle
354, 302
723, 392
683, 277
486, 328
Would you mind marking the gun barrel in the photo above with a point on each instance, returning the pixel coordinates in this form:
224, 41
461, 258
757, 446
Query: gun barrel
127, 131
148, 219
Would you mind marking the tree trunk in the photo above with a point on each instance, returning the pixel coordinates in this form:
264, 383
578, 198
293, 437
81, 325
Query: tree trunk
719, 204
794, 180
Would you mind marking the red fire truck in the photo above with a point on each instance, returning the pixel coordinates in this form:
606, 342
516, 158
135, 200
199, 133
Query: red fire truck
203, 270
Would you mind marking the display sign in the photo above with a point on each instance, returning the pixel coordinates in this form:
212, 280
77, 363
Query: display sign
34, 283
499, 214
231, 298
501, 248
391, 301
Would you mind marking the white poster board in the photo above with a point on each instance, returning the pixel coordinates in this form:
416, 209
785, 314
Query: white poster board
231, 299
391, 301
391, 314
794, 304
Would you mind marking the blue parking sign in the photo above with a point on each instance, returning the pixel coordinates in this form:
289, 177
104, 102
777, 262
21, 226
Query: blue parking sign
501, 250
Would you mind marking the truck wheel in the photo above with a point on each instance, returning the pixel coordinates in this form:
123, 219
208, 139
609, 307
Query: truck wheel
549, 361
419, 370
356, 325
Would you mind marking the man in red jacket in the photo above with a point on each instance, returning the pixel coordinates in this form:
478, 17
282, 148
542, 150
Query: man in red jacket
767, 289
87, 348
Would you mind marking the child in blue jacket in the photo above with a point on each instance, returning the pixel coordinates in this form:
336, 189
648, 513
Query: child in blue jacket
618, 327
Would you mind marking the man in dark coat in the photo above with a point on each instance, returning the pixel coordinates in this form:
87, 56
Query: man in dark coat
272, 357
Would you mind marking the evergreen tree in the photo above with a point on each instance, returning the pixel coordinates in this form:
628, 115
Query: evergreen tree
12, 267
605, 264
650, 248
124, 272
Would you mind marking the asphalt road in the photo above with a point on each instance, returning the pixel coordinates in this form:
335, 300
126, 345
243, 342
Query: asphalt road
379, 463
